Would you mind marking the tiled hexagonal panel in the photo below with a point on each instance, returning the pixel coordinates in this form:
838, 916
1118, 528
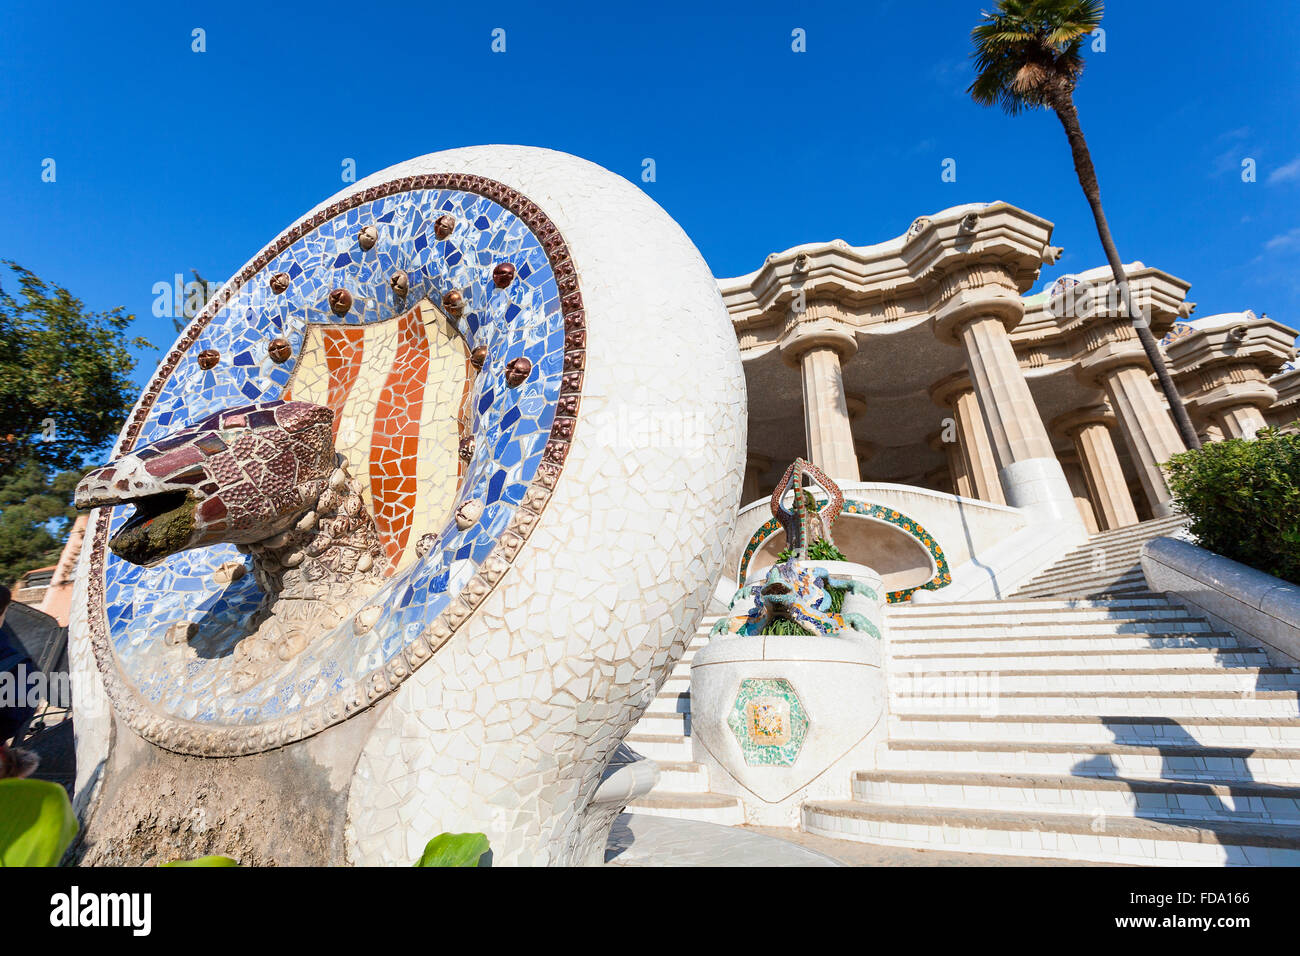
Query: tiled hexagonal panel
769, 722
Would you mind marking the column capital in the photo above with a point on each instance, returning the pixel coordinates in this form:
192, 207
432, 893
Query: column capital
1109, 346
802, 337
963, 306
1074, 421
1228, 396
946, 391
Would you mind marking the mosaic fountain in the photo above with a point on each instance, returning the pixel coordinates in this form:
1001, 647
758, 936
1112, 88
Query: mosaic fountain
373, 558
790, 693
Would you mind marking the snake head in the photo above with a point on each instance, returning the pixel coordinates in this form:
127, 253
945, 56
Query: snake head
780, 588
238, 476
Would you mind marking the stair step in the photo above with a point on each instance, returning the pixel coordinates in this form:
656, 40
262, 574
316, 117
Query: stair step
1050, 620
916, 649
1129, 574
661, 746
1218, 732
677, 683
1169, 657
1066, 836
1185, 760
664, 723
1176, 800
1087, 586
1241, 680
682, 776
707, 807
1173, 706
1014, 606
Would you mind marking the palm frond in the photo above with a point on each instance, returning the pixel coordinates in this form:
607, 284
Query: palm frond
1027, 49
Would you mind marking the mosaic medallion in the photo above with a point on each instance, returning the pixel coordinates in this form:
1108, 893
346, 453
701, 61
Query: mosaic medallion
769, 722
438, 318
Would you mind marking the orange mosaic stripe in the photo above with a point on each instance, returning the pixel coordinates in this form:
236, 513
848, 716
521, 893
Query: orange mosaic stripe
395, 440
344, 350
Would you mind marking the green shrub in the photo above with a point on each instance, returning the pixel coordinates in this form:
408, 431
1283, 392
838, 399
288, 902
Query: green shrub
1243, 499
819, 550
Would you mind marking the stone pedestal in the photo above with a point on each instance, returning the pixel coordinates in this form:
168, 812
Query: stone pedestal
779, 720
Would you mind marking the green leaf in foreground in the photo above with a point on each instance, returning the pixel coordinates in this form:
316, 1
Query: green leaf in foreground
36, 823
454, 849
203, 861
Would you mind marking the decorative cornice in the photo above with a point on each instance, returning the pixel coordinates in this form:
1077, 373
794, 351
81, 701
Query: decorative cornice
880, 276
1259, 342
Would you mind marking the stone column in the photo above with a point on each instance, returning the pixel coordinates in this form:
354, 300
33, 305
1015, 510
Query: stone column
978, 466
1031, 477
1074, 475
755, 465
1243, 421
956, 462
1286, 409
978, 449
1224, 371
818, 348
1147, 428
1089, 430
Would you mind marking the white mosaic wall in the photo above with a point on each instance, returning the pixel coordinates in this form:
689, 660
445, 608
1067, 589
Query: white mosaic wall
508, 728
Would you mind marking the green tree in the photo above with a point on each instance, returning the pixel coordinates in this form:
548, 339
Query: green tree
1028, 55
35, 515
64, 393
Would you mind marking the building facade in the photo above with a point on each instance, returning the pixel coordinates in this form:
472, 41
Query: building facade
926, 360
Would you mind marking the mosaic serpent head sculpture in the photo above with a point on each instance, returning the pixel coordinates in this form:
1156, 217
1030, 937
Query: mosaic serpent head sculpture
467, 581
267, 479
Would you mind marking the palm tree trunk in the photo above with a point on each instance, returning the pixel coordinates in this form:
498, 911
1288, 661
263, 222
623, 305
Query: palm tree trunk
1063, 106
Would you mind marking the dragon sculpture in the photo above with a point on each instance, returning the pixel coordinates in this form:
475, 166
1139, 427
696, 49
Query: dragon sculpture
266, 478
793, 591
799, 595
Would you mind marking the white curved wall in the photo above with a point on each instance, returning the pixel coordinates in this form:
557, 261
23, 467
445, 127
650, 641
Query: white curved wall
507, 728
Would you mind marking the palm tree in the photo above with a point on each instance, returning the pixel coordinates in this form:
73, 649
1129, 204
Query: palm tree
1028, 55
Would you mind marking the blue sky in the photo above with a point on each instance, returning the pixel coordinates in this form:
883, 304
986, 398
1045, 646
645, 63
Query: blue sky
168, 159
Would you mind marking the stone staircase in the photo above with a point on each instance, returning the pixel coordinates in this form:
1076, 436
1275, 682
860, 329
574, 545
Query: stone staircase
1086, 719
1121, 729
1106, 564
664, 735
